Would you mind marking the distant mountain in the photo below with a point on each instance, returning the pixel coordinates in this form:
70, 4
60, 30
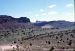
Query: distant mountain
55, 24
9, 22
6, 18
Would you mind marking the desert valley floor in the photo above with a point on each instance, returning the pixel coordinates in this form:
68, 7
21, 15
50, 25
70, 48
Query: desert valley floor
38, 40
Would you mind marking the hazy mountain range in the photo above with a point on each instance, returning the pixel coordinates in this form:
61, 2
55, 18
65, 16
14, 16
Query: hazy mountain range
56, 24
24, 22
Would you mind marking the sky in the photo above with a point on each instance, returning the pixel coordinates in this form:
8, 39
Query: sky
39, 10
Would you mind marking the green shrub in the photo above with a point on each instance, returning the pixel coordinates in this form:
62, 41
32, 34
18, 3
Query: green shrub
51, 49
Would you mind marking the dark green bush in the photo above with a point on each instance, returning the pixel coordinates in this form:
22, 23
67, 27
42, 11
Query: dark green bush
51, 49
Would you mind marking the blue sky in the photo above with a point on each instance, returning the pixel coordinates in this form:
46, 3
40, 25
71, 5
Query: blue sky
42, 10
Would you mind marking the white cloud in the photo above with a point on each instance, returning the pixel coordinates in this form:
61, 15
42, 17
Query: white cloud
52, 6
69, 5
42, 10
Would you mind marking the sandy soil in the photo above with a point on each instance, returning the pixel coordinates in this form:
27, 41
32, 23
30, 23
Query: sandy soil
7, 47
